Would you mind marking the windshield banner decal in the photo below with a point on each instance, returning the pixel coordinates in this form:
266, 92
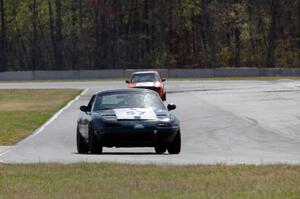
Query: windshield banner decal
135, 113
145, 84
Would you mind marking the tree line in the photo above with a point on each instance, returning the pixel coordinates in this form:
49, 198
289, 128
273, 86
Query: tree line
100, 34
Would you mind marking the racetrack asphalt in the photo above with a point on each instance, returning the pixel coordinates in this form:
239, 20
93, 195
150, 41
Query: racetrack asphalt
231, 122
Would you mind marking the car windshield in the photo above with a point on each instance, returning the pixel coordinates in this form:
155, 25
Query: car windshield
145, 77
128, 100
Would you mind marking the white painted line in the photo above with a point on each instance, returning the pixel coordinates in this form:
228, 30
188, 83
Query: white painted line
39, 130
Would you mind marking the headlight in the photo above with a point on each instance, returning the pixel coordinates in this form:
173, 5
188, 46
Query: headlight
164, 122
166, 119
172, 117
109, 117
163, 117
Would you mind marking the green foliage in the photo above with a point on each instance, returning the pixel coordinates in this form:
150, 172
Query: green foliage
223, 57
143, 34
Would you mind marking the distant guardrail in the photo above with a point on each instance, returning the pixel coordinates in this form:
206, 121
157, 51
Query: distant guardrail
168, 73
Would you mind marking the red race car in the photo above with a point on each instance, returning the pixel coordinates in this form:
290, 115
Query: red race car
149, 80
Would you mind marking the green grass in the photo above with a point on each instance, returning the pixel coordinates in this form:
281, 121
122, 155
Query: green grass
148, 181
22, 111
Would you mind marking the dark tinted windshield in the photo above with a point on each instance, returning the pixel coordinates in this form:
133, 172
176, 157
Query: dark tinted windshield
128, 100
145, 77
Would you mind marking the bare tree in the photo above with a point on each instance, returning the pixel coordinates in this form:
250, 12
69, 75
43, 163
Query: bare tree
74, 33
97, 35
270, 62
3, 56
59, 57
208, 34
35, 51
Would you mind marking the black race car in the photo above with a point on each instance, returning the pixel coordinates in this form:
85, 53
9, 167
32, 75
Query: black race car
128, 118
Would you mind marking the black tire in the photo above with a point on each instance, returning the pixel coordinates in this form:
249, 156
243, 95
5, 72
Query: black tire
159, 149
164, 97
94, 146
82, 145
175, 146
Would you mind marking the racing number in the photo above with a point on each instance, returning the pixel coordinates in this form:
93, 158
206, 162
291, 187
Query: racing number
134, 112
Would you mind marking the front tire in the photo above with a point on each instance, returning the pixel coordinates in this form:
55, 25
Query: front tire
164, 97
175, 146
159, 149
94, 146
82, 145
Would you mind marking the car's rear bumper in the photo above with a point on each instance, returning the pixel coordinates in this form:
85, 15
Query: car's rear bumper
114, 137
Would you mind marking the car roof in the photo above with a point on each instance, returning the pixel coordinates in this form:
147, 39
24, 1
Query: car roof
144, 72
141, 90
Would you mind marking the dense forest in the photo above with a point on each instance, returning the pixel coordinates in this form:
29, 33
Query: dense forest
98, 34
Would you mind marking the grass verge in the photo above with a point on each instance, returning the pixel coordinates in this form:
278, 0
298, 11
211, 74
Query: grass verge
148, 181
22, 111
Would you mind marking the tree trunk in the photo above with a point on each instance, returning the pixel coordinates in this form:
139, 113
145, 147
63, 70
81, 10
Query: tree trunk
24, 58
251, 58
115, 56
204, 47
74, 51
98, 36
3, 53
52, 31
128, 50
237, 47
59, 58
270, 60
209, 33
146, 26
298, 35
80, 17
34, 53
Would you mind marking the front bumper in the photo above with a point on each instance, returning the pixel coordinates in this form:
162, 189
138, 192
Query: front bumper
130, 134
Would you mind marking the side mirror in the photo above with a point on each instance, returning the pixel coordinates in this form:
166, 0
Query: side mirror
127, 81
84, 109
163, 79
171, 107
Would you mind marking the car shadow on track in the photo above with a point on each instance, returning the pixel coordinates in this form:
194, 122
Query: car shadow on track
124, 153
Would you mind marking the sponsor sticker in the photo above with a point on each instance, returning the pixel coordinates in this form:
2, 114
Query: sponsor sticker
135, 114
145, 84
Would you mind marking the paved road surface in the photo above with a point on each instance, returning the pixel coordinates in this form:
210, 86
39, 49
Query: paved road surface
251, 122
